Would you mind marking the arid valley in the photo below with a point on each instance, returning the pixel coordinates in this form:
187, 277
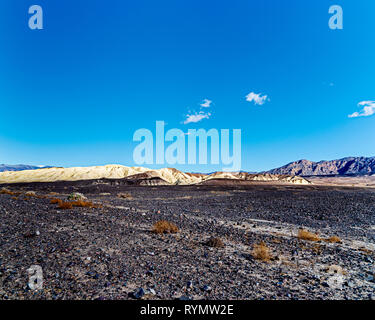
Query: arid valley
254, 240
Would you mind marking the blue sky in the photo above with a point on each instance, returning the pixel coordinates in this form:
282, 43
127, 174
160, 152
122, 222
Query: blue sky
75, 92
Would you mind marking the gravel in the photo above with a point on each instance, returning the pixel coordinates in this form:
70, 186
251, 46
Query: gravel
111, 253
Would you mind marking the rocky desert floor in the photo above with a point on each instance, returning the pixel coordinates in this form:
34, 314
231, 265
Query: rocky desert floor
111, 252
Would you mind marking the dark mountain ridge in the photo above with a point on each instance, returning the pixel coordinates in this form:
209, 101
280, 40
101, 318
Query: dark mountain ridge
341, 167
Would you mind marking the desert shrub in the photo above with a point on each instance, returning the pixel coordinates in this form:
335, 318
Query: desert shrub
261, 252
333, 239
125, 196
82, 204
215, 242
65, 205
7, 191
317, 249
366, 251
307, 235
164, 226
276, 240
32, 194
14, 198
71, 204
223, 193
76, 196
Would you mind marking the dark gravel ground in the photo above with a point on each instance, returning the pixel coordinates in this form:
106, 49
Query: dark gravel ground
110, 252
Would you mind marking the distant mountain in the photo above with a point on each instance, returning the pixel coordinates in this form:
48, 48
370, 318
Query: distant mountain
19, 167
345, 166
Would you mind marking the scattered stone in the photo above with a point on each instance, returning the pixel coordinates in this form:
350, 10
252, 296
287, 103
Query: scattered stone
335, 269
138, 294
207, 288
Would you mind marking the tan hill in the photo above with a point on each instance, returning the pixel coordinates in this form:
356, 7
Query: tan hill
145, 176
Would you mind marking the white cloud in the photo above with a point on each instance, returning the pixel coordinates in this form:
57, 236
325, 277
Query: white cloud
206, 103
196, 117
257, 98
368, 109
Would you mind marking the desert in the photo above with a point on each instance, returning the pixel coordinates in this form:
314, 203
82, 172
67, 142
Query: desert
139, 238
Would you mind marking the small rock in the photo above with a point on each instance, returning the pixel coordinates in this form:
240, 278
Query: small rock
368, 259
207, 288
335, 269
138, 294
350, 284
150, 291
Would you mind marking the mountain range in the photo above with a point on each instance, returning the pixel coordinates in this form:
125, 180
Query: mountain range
19, 167
290, 173
349, 166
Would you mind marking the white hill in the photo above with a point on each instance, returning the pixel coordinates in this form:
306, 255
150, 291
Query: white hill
170, 175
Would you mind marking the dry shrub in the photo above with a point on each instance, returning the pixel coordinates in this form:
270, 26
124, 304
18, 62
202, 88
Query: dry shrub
222, 193
366, 251
71, 204
307, 235
164, 226
82, 204
65, 205
333, 239
14, 198
215, 242
261, 252
32, 194
125, 196
317, 248
276, 240
7, 191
